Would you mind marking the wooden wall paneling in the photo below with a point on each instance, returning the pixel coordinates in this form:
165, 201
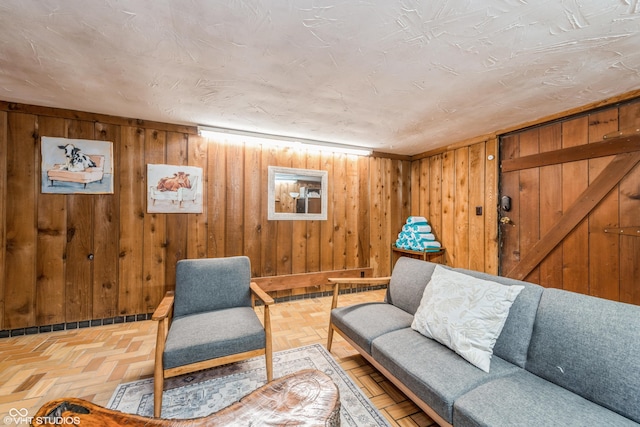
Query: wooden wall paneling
94, 117
155, 227
629, 118
235, 200
405, 198
364, 212
394, 210
426, 204
255, 194
604, 262
80, 241
177, 233
510, 186
491, 253
418, 185
530, 200
448, 230
312, 261
106, 235
435, 198
132, 195
550, 204
51, 244
461, 208
197, 231
353, 252
269, 229
3, 210
477, 184
339, 196
326, 227
377, 212
216, 196
299, 230
21, 234
284, 229
575, 179
388, 217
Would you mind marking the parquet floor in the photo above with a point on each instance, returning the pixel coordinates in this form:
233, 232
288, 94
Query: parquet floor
90, 363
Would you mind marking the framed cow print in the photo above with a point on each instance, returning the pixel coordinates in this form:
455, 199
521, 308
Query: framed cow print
174, 189
72, 166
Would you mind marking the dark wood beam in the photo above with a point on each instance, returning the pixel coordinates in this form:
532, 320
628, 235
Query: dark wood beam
610, 147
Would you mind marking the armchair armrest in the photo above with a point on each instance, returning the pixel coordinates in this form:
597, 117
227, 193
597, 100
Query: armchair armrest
163, 310
262, 295
162, 315
354, 281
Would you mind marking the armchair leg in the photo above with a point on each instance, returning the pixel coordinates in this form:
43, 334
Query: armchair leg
268, 351
330, 337
158, 369
158, 386
269, 361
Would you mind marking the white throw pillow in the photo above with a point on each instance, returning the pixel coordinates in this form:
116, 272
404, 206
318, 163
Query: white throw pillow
464, 313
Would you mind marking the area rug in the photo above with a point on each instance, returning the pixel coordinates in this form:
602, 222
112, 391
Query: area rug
202, 393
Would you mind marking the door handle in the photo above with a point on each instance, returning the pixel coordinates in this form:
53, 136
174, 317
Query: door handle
506, 220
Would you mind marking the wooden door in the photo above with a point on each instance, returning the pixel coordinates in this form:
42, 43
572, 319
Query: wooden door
570, 204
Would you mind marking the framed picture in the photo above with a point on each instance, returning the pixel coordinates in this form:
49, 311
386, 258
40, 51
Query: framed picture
174, 189
71, 166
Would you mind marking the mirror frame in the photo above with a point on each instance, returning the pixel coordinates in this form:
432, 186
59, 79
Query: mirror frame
271, 199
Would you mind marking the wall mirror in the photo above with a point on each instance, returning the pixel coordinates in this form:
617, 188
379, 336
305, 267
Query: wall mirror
297, 194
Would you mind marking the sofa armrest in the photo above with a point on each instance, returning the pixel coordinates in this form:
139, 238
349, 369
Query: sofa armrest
337, 281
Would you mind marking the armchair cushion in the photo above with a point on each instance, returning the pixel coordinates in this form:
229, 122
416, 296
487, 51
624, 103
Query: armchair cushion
191, 339
212, 284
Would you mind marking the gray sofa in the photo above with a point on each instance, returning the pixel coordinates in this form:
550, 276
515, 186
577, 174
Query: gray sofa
562, 358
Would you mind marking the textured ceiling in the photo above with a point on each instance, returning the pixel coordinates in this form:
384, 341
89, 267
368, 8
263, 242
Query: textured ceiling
398, 76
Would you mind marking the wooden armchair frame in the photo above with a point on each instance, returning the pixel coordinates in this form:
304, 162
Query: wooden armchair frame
164, 314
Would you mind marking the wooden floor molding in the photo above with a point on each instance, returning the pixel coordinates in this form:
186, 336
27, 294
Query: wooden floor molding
90, 363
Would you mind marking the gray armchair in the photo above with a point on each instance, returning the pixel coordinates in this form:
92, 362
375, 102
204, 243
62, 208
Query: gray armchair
210, 320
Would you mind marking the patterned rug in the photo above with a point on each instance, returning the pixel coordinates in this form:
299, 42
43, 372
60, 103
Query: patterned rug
205, 392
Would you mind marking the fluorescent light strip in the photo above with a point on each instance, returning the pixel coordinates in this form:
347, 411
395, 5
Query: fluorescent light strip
281, 141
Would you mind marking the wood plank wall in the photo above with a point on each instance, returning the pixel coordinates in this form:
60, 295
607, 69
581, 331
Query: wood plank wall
47, 277
448, 187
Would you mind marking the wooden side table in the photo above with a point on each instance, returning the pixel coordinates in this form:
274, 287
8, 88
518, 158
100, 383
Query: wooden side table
433, 256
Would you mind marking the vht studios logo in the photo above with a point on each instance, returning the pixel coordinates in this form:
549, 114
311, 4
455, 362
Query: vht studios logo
21, 416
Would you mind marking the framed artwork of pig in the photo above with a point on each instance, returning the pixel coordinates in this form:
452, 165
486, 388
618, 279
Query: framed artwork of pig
174, 189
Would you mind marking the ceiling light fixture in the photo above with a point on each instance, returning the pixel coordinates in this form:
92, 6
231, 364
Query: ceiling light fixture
257, 138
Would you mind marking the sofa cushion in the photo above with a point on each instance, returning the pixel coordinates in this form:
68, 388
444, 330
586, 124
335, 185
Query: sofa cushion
513, 343
199, 337
435, 374
362, 322
589, 346
408, 280
522, 399
464, 313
